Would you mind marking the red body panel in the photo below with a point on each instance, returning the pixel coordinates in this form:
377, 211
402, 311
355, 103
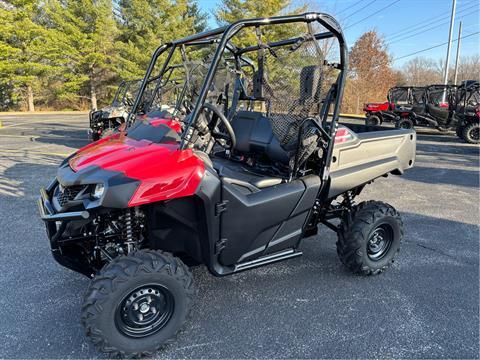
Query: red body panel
373, 107
171, 123
164, 171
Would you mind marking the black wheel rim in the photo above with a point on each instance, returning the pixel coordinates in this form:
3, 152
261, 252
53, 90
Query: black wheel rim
144, 311
380, 242
404, 125
475, 133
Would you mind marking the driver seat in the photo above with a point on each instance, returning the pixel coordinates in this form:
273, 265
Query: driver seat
242, 177
254, 136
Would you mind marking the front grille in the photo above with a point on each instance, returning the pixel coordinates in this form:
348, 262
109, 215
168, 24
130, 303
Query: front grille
67, 194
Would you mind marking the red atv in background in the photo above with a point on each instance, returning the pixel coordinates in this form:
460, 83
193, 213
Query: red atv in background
396, 107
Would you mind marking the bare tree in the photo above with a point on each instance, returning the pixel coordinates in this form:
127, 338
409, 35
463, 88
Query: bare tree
468, 69
370, 74
421, 71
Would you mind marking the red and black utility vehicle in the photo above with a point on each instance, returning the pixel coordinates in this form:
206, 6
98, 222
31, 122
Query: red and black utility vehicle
245, 164
467, 111
105, 121
433, 106
397, 107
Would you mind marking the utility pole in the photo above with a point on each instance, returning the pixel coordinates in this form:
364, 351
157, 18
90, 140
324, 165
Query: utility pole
447, 61
458, 53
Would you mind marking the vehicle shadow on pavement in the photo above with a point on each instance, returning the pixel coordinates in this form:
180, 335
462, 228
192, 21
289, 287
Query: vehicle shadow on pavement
443, 175
74, 138
437, 136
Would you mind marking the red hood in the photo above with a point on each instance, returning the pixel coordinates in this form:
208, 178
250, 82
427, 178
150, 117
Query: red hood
165, 171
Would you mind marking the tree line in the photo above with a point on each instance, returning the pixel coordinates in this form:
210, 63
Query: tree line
71, 54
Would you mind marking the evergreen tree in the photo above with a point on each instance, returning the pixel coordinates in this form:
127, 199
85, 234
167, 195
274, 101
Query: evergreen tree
85, 31
146, 24
200, 18
234, 10
24, 50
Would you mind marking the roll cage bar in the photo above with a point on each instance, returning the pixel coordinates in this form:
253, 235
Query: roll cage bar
223, 41
122, 89
391, 90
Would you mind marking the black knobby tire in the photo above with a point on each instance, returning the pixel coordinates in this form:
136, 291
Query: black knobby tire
111, 299
404, 123
471, 133
373, 120
355, 238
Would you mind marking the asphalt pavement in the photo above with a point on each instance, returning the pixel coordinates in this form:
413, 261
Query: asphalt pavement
425, 306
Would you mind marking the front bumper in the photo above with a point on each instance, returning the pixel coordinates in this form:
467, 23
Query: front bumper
56, 224
47, 213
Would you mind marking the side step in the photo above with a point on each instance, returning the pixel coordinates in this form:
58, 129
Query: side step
268, 259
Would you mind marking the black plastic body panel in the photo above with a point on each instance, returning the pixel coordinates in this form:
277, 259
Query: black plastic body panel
254, 221
119, 188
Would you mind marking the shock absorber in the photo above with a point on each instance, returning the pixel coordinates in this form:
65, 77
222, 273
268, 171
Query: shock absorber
350, 199
129, 232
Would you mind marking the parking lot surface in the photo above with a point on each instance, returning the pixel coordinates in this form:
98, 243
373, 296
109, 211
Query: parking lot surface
425, 306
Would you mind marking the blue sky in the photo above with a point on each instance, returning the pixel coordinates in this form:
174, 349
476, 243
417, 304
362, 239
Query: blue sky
407, 25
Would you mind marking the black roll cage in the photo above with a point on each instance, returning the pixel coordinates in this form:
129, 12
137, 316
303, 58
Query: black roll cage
123, 87
450, 91
466, 91
407, 88
227, 32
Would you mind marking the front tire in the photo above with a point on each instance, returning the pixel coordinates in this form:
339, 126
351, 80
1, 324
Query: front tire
471, 133
404, 123
373, 120
137, 303
368, 244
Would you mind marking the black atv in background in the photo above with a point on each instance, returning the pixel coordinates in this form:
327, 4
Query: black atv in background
104, 121
432, 106
467, 111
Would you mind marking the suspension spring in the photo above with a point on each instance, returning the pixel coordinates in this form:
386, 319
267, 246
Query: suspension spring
350, 199
129, 232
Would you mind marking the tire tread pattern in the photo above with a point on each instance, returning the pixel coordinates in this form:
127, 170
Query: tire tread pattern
466, 133
351, 237
120, 270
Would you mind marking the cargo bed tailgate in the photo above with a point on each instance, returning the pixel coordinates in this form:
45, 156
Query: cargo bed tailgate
363, 153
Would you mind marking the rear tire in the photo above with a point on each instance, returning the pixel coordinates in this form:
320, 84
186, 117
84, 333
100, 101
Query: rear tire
404, 123
471, 133
373, 120
137, 303
368, 244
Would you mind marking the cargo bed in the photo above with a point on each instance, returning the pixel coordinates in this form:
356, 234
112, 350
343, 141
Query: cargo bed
363, 153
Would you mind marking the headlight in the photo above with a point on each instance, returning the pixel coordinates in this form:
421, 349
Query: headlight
98, 191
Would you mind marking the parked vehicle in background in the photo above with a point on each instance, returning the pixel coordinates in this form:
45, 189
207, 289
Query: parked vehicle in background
247, 164
432, 106
105, 121
395, 108
467, 111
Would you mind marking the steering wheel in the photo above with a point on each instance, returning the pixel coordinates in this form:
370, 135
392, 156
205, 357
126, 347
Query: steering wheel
212, 123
